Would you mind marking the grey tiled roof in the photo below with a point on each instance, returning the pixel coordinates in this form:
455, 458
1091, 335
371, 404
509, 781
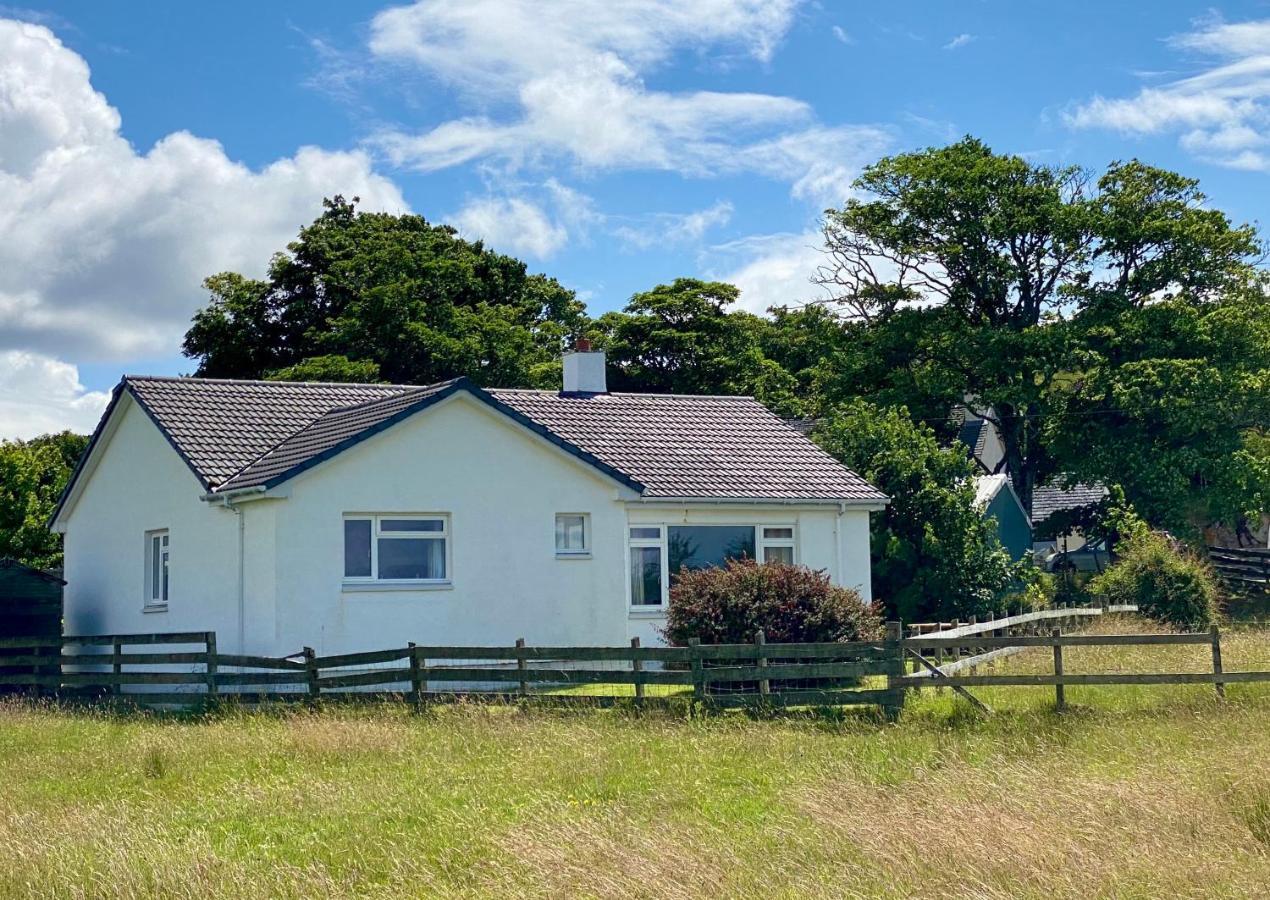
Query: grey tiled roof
1053, 497
220, 426
689, 446
238, 434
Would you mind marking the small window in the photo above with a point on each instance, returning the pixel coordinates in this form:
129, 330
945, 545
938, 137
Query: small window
396, 548
156, 578
777, 544
648, 567
571, 534
646, 576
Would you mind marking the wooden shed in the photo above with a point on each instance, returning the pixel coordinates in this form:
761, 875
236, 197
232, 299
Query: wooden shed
30, 606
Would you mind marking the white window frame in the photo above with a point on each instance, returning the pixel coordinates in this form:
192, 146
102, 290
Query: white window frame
158, 575
660, 543
377, 531
585, 551
761, 543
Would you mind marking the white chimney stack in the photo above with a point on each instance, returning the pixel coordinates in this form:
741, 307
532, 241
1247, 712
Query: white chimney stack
584, 370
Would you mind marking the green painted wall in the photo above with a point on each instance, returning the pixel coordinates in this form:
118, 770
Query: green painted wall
1012, 526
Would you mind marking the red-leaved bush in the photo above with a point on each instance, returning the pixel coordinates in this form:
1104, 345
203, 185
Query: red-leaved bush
791, 604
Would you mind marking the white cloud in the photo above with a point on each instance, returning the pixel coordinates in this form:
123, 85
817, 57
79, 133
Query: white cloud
511, 225
496, 46
841, 35
1221, 114
668, 228
527, 219
960, 40
39, 394
576, 90
771, 269
102, 248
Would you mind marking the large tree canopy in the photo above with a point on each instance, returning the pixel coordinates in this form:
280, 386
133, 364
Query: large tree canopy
1058, 305
32, 476
682, 338
402, 299
934, 554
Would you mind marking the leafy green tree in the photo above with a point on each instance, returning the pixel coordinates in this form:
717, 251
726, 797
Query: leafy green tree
683, 338
32, 476
410, 298
987, 277
331, 368
1172, 404
934, 553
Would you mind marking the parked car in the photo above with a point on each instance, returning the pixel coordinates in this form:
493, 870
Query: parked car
1088, 558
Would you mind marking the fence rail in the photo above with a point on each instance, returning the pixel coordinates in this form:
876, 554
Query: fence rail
947, 676
724, 675
139, 668
1246, 568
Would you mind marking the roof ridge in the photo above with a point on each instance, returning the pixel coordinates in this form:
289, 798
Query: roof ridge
183, 379
571, 395
437, 385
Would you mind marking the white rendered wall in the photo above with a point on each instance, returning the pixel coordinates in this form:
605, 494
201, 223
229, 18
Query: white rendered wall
501, 487
139, 485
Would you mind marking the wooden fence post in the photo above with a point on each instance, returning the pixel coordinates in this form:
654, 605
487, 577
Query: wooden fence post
416, 682
1217, 670
637, 666
212, 665
1060, 697
698, 670
116, 666
764, 686
311, 675
894, 670
522, 664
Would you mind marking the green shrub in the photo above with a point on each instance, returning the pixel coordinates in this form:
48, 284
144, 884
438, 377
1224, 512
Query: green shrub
1167, 583
790, 604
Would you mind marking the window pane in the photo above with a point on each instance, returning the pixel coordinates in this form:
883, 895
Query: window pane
702, 546
357, 548
779, 534
645, 576
412, 558
164, 595
571, 533
155, 580
646, 534
779, 554
411, 525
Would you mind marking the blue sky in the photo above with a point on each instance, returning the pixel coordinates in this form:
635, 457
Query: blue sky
613, 145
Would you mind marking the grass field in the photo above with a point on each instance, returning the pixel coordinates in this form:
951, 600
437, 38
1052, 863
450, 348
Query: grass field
1134, 792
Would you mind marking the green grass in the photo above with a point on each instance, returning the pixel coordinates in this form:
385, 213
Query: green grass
1134, 792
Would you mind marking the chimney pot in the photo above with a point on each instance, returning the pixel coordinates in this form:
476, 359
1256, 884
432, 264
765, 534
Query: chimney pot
582, 345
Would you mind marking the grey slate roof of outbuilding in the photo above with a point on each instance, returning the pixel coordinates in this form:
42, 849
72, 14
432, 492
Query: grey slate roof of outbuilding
1048, 499
240, 434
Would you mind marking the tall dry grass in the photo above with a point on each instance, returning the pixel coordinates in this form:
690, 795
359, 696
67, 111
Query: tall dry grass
1135, 792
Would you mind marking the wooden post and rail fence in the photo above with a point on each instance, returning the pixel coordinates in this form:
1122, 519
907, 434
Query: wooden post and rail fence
1246, 569
131, 667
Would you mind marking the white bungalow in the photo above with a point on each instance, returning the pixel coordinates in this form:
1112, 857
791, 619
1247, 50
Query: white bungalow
349, 517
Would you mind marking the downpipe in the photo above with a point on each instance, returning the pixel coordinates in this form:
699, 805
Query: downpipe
228, 503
